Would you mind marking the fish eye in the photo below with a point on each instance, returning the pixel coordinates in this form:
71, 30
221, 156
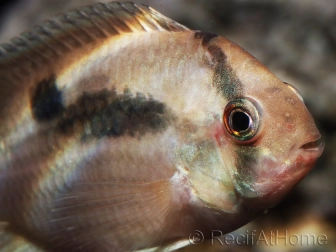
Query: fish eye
242, 118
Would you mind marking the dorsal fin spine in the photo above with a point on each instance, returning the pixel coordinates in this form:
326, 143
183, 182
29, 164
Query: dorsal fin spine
84, 38
133, 15
104, 20
128, 27
48, 30
22, 43
89, 17
66, 43
65, 33
41, 30
7, 47
27, 38
143, 14
35, 56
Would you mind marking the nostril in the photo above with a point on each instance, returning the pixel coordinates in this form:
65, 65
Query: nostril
312, 145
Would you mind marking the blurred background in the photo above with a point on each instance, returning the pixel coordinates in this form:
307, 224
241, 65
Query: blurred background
297, 41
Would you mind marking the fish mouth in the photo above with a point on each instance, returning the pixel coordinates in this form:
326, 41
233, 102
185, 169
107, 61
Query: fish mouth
270, 187
316, 145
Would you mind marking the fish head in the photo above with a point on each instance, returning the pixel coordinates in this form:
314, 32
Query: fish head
261, 141
272, 139
258, 139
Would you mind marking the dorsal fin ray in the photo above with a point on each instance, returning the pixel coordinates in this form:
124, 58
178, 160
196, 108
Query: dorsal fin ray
76, 28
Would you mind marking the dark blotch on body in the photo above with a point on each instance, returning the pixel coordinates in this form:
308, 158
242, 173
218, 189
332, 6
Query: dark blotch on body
205, 36
106, 113
46, 100
246, 156
224, 78
246, 160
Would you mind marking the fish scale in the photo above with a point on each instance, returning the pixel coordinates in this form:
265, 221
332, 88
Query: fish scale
122, 130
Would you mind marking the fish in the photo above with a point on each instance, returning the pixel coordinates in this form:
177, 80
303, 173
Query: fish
123, 130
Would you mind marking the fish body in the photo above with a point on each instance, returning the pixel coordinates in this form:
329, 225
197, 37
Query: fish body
122, 130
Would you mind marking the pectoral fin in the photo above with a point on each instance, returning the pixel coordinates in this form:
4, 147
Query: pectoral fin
12, 242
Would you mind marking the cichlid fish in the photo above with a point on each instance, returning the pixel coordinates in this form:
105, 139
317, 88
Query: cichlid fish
122, 130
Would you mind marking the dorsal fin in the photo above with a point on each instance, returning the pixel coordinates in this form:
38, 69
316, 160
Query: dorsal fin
76, 28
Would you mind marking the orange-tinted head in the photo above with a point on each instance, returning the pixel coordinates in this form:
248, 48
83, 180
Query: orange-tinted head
273, 138
253, 139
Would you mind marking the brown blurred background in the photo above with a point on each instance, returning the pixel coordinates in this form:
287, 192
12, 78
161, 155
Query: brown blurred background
297, 41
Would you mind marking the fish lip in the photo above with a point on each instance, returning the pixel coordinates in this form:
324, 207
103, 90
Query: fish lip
268, 190
272, 188
316, 146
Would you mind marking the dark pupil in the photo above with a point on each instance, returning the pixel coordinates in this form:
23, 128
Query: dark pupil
240, 121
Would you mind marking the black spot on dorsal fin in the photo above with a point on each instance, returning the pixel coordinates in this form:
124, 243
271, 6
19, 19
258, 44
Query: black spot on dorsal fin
205, 36
106, 113
46, 100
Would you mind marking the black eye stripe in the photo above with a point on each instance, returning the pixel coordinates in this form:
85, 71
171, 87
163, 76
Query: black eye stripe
205, 36
224, 79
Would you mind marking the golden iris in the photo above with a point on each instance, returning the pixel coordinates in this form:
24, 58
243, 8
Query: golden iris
242, 118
